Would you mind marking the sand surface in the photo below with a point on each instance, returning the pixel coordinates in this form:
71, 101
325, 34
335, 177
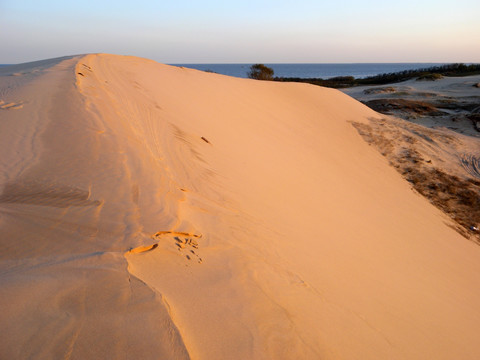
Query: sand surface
149, 211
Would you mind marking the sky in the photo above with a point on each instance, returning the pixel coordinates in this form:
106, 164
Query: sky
259, 31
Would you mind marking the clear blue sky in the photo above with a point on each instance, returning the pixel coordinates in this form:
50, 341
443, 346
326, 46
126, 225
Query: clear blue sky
219, 31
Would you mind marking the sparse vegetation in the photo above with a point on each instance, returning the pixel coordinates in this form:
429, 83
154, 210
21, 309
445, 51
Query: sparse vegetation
413, 107
459, 197
430, 77
383, 90
432, 73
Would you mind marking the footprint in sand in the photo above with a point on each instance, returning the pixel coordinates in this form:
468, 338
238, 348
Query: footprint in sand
182, 241
142, 249
11, 105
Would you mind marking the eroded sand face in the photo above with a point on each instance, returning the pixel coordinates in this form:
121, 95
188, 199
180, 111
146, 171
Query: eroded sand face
451, 102
161, 212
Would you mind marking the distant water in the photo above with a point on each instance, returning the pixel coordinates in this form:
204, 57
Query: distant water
323, 71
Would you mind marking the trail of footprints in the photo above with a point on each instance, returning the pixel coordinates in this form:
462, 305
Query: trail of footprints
85, 67
185, 243
11, 105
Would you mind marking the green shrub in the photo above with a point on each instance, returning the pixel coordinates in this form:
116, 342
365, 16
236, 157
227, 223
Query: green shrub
260, 72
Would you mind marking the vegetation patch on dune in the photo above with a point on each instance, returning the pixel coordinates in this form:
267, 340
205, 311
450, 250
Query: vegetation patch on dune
387, 106
402, 143
380, 90
430, 77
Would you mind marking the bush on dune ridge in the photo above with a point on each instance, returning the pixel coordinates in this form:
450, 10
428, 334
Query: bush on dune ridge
260, 72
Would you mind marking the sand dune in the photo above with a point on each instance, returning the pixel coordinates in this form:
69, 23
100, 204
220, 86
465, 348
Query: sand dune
149, 211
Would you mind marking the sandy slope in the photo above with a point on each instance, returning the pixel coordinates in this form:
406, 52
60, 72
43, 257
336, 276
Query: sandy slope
278, 232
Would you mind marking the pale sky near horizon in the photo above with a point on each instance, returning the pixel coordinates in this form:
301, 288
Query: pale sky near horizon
267, 31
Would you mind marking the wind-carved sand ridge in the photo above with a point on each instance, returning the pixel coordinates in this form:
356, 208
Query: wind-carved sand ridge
471, 163
283, 234
38, 193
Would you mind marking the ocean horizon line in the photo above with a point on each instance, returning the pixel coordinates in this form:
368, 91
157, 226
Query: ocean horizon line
311, 70
311, 63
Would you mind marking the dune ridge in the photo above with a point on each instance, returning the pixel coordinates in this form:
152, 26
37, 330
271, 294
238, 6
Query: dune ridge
167, 212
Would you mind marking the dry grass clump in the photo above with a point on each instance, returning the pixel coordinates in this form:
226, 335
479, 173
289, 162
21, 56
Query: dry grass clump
388, 106
457, 197
430, 77
381, 90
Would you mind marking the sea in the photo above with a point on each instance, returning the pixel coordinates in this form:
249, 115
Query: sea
323, 71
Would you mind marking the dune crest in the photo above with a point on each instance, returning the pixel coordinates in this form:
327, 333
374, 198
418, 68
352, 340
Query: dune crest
179, 214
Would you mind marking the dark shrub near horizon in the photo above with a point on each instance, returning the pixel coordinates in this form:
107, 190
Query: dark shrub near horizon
260, 72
